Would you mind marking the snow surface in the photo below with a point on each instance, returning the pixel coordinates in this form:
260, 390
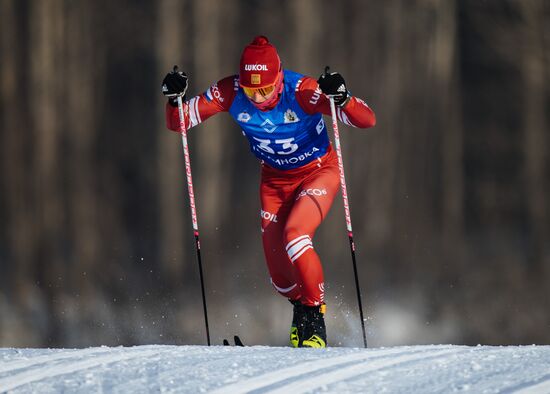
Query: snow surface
263, 369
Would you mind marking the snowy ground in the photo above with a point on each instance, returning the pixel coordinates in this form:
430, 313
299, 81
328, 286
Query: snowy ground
262, 369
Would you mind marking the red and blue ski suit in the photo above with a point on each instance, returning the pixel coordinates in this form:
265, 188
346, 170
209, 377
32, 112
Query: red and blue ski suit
300, 175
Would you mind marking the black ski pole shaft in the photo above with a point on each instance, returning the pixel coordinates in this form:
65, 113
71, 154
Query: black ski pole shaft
198, 248
347, 212
183, 130
357, 288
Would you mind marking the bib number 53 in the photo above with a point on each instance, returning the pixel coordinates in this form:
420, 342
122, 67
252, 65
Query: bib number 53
286, 145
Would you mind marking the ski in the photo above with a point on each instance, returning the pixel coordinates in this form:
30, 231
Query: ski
237, 340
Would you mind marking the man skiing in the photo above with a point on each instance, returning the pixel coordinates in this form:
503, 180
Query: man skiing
280, 113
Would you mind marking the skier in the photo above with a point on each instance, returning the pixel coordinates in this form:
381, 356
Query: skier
280, 113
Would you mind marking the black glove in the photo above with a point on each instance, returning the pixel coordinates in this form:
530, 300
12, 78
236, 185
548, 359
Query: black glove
174, 84
333, 84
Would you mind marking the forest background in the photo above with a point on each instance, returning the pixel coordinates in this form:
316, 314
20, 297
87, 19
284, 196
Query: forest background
449, 192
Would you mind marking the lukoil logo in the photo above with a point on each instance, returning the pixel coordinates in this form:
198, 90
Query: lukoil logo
312, 192
255, 67
316, 96
268, 216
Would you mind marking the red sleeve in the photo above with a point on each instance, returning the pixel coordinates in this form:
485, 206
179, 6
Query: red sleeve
355, 113
218, 98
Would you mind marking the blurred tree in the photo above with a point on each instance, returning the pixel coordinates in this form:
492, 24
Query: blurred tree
172, 45
533, 52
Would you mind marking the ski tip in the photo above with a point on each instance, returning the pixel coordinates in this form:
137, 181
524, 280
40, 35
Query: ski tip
238, 341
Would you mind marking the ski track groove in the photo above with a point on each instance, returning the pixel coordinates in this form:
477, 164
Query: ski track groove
47, 358
34, 375
136, 384
357, 369
313, 371
535, 388
264, 381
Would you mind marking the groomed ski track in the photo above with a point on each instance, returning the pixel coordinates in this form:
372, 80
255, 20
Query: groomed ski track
263, 369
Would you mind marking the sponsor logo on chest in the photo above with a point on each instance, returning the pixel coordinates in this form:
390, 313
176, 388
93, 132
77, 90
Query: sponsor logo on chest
291, 117
244, 117
268, 126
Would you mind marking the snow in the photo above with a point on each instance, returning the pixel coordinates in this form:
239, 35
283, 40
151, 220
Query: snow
264, 369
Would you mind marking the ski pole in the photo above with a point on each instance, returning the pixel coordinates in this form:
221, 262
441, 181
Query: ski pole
183, 130
347, 210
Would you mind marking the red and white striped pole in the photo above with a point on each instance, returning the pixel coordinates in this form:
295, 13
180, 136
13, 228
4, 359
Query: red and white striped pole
347, 211
183, 131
